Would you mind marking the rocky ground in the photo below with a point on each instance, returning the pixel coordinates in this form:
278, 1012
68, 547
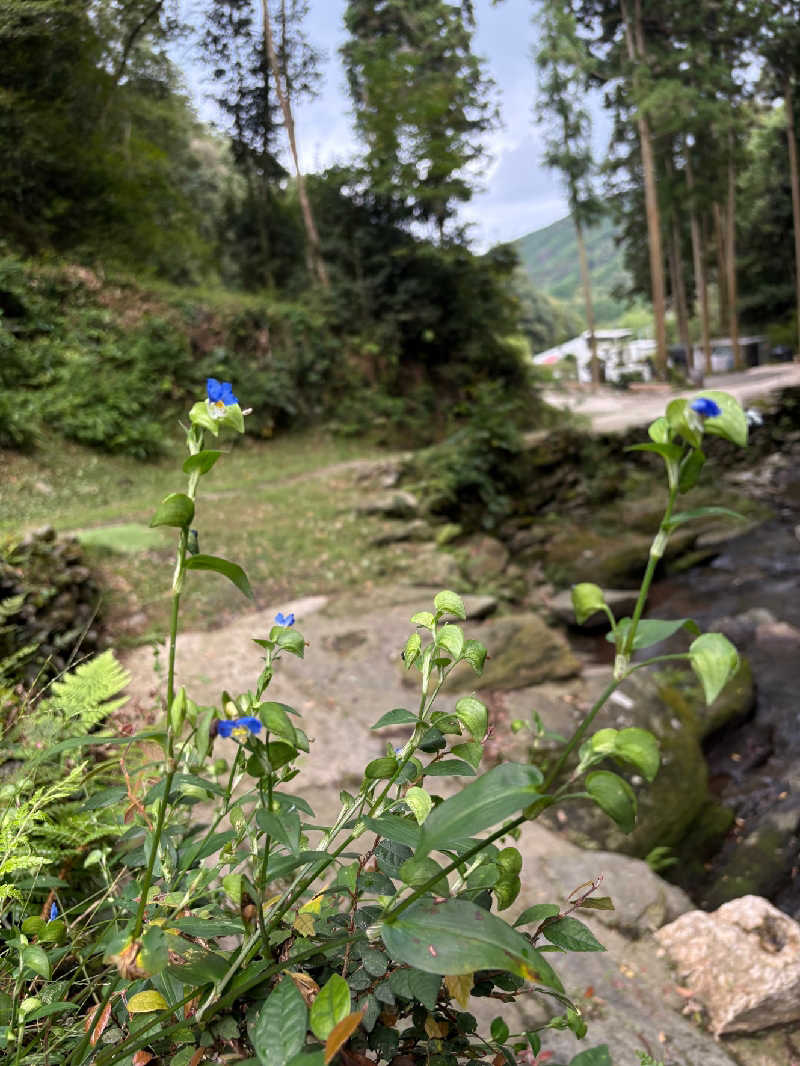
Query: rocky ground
647, 991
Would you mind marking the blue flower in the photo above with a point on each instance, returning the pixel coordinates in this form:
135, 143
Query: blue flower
53, 912
239, 728
220, 396
706, 407
284, 619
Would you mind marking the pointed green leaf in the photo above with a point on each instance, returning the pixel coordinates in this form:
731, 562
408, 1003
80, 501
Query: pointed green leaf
279, 1031
684, 421
174, 510
36, 959
690, 470
494, 796
276, 721
640, 749
447, 602
474, 653
732, 423
423, 618
703, 512
394, 827
380, 768
615, 796
593, 1056
201, 462
449, 768
201, 416
412, 650
537, 913
587, 599
669, 452
571, 935
420, 803
232, 571
471, 752
399, 716
474, 715
715, 660
658, 431
331, 1006
458, 937
451, 639
650, 631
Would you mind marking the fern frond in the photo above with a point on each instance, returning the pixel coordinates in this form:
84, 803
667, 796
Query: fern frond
87, 692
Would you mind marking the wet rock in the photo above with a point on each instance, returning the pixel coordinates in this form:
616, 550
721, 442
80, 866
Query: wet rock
524, 651
611, 561
438, 569
484, 558
741, 628
416, 529
398, 504
621, 602
742, 963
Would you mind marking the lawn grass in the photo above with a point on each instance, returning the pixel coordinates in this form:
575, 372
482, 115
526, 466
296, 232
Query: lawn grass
282, 509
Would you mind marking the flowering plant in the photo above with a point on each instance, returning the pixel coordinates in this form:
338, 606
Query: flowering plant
225, 933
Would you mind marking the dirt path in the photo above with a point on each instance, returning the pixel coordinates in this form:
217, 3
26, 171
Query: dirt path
611, 410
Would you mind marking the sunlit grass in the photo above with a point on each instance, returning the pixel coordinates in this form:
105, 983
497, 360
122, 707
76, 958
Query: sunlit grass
262, 506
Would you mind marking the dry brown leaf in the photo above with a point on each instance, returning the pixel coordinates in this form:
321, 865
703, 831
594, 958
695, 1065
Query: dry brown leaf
341, 1033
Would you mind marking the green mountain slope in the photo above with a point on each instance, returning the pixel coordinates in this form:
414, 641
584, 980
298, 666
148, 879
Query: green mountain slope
550, 257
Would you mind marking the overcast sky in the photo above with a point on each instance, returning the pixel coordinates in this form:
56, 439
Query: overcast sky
518, 194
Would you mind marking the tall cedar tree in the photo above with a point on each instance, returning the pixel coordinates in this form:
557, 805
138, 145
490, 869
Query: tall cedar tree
420, 101
564, 66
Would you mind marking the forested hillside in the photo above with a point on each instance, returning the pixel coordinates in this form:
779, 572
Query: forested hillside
550, 258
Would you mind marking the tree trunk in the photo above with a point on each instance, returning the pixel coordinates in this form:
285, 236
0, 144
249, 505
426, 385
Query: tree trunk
586, 282
316, 262
722, 269
793, 170
679, 292
698, 260
733, 313
636, 55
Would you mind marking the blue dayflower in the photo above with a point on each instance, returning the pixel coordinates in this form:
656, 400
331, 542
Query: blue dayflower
284, 619
239, 728
220, 396
706, 407
53, 912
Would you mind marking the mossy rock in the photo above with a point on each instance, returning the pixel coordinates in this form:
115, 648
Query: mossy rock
523, 651
704, 838
669, 806
680, 688
759, 864
609, 559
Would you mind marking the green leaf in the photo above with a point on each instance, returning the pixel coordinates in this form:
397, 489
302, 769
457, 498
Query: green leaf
587, 599
571, 935
499, 1030
399, 716
232, 571
658, 431
331, 1006
640, 749
615, 796
684, 421
732, 423
424, 987
33, 925
290, 640
276, 721
593, 1056
458, 937
650, 631
420, 803
703, 512
35, 958
690, 470
154, 954
494, 796
174, 510
423, 618
201, 462
715, 660
597, 903
201, 416
419, 869
471, 752
537, 913
47, 1010
380, 768
279, 1032
474, 715
474, 653
403, 830
447, 602
452, 640
449, 768
671, 453
412, 650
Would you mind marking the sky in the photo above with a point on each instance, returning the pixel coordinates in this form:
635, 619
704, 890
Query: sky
516, 193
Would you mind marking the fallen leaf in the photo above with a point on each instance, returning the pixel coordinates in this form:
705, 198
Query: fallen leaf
102, 1022
341, 1033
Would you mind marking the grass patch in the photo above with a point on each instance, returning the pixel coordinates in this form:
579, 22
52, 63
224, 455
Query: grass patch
283, 510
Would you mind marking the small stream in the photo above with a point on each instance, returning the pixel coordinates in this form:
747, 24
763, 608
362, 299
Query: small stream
751, 592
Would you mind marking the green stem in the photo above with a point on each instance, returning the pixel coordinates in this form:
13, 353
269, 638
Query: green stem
578, 735
656, 553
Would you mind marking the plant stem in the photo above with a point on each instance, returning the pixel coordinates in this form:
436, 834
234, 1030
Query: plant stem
656, 552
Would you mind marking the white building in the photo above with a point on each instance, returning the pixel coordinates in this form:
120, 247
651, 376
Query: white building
619, 355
